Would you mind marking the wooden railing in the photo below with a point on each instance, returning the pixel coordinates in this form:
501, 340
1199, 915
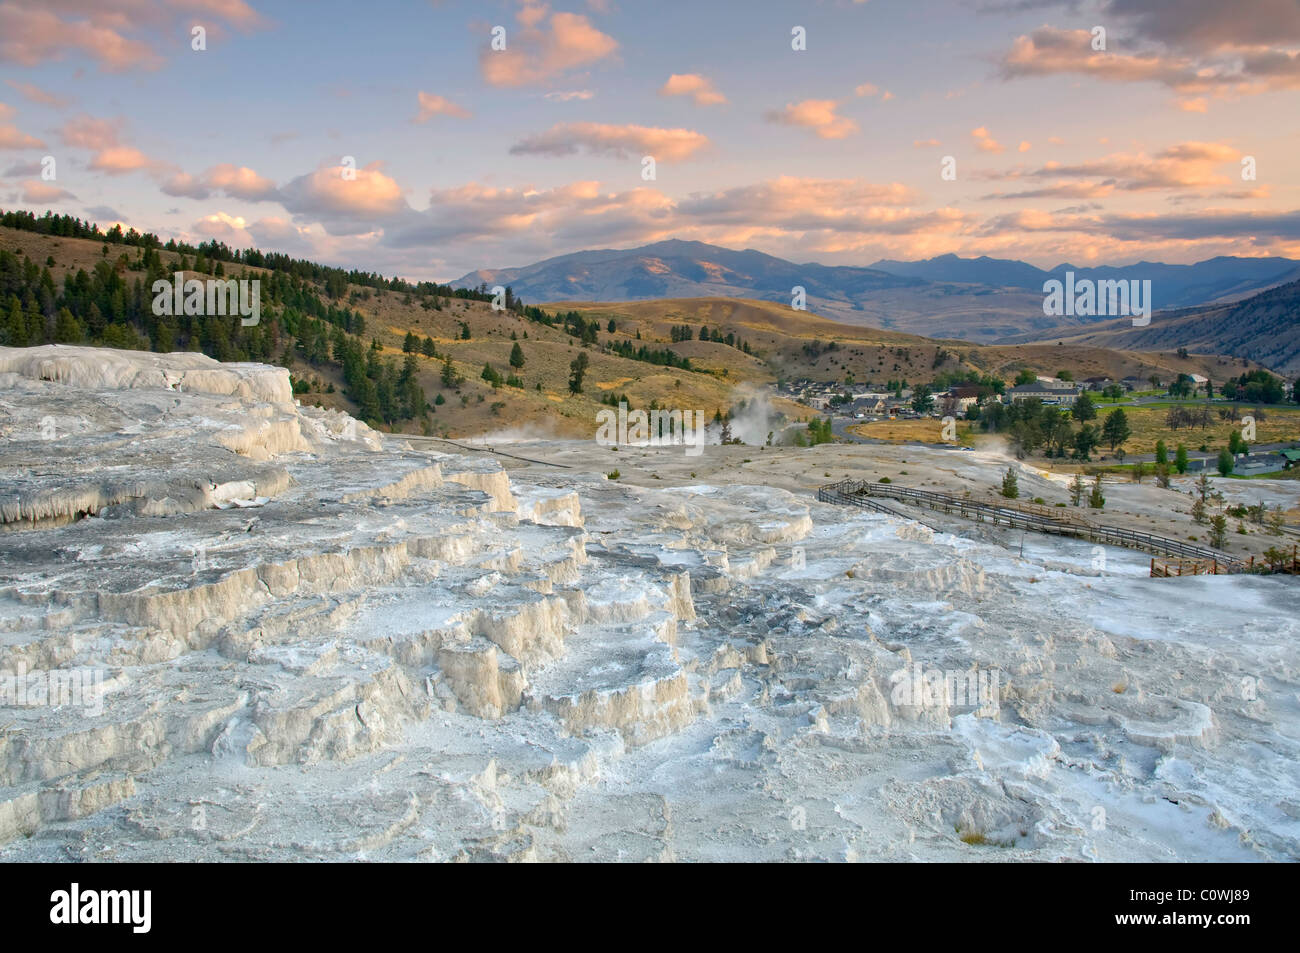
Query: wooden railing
1039, 519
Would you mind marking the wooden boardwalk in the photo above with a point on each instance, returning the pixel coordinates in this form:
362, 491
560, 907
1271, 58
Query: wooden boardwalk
1162, 567
1175, 556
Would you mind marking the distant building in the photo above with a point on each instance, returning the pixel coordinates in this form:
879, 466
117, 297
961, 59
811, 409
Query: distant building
958, 400
868, 405
1055, 383
1048, 395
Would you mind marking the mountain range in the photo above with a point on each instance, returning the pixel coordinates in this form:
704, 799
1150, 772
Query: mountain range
982, 300
1173, 286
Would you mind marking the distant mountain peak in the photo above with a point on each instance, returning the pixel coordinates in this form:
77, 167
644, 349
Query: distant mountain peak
984, 298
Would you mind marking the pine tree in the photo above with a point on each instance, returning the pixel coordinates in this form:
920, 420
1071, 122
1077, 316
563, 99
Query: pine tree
1116, 429
576, 371
1010, 486
67, 329
1095, 499
1083, 409
449, 376
1218, 531
410, 367
428, 349
516, 356
1077, 489
16, 325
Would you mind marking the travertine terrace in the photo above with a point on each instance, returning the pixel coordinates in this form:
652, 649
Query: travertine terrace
317, 642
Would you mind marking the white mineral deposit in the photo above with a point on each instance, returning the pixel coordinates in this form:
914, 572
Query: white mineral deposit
296, 638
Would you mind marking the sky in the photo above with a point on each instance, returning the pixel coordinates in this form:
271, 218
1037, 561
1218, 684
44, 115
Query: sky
391, 136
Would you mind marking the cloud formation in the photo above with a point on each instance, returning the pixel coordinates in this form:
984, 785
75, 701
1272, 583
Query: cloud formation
544, 47
1208, 69
111, 155
619, 142
985, 142
345, 201
36, 192
698, 87
236, 181
431, 105
819, 115
11, 137
35, 94
118, 35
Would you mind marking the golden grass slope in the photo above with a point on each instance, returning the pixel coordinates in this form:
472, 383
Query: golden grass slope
785, 344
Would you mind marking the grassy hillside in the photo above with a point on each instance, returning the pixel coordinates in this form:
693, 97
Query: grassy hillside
1262, 329
794, 344
770, 341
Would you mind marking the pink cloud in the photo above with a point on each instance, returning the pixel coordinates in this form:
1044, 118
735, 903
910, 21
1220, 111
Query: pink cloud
87, 132
816, 114
1049, 51
871, 89
33, 34
329, 194
616, 141
37, 95
698, 87
1186, 166
239, 181
13, 138
236, 181
105, 31
431, 105
119, 160
42, 193
985, 142
539, 51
